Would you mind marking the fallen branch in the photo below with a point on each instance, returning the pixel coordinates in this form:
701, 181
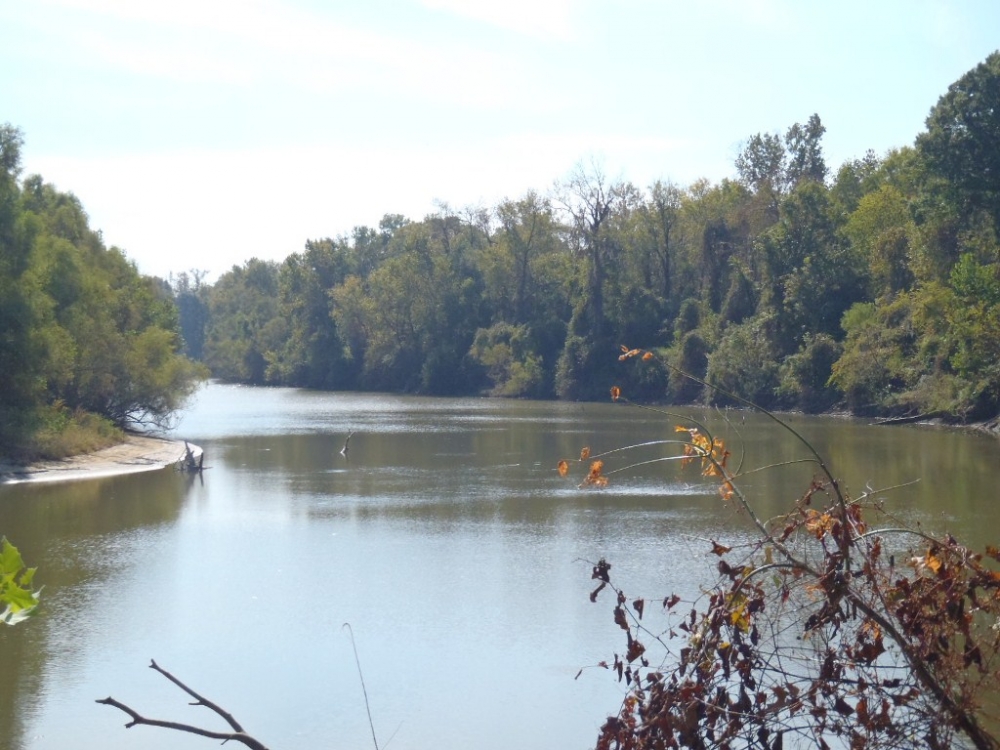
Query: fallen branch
238, 734
192, 462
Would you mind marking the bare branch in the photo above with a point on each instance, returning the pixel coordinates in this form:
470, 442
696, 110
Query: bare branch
237, 735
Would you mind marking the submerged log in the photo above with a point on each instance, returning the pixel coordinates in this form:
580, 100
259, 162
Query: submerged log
193, 461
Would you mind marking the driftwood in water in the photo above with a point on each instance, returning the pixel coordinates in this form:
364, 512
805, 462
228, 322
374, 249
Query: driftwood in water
908, 420
192, 462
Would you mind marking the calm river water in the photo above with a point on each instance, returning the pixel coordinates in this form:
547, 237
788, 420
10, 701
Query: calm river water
446, 539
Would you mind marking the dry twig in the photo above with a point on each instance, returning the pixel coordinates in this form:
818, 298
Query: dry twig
238, 734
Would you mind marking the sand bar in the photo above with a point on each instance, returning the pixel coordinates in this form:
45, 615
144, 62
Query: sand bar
137, 453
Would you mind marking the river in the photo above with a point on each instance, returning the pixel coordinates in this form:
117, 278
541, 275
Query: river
445, 538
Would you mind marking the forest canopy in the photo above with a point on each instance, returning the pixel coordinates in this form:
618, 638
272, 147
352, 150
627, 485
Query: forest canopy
873, 287
87, 343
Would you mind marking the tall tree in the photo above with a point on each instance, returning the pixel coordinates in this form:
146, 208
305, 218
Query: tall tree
660, 214
80, 328
963, 130
592, 203
189, 293
805, 154
761, 163
18, 347
313, 354
245, 327
526, 231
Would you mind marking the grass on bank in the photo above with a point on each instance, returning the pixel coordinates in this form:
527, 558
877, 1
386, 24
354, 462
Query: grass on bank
55, 431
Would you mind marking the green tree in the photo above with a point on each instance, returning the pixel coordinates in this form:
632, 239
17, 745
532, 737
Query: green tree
19, 346
855, 179
595, 207
805, 153
526, 232
963, 130
874, 364
245, 326
412, 320
313, 354
761, 164
974, 319
190, 296
512, 365
880, 230
813, 275
660, 220
805, 375
81, 328
745, 363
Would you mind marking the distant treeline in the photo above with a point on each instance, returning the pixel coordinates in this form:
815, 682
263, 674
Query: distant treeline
875, 288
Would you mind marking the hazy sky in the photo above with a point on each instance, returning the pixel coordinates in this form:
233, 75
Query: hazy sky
201, 133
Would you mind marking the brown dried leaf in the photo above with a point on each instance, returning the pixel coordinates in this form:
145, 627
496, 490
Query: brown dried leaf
635, 650
595, 592
719, 549
620, 619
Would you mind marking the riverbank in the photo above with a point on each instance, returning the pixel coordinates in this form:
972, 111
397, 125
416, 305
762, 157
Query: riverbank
137, 453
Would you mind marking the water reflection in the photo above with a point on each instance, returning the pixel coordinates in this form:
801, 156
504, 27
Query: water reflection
447, 540
80, 535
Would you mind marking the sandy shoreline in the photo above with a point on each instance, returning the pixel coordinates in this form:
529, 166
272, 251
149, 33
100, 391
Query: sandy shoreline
137, 453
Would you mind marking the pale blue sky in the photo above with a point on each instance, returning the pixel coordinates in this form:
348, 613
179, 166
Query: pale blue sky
200, 133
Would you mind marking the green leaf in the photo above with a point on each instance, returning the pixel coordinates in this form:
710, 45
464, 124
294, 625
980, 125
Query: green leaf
10, 559
27, 576
16, 597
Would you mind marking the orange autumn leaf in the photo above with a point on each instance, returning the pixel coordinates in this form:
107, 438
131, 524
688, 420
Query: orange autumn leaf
616, 392
595, 477
563, 468
818, 523
647, 356
689, 455
629, 353
690, 450
713, 455
933, 562
585, 454
712, 452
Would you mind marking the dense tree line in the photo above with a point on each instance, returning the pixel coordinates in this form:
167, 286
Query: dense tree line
875, 287
81, 331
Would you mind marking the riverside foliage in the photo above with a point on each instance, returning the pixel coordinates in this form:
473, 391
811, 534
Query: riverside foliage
831, 626
875, 286
83, 336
